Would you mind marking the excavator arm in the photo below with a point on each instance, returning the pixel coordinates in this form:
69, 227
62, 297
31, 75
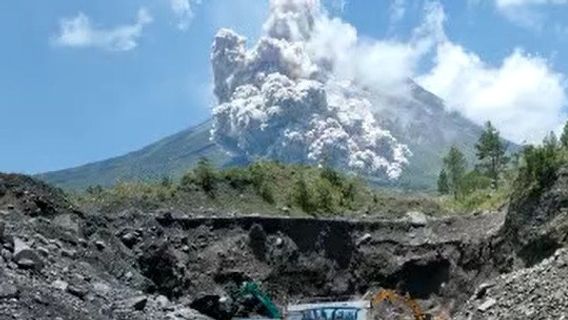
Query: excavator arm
395, 298
253, 289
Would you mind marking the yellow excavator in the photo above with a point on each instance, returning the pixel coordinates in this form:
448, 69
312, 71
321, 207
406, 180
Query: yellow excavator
398, 299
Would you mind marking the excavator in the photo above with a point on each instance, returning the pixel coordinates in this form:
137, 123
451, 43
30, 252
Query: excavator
252, 289
395, 298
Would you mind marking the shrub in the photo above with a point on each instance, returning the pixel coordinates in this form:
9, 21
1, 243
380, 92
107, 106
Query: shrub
302, 195
205, 175
187, 181
475, 180
332, 176
94, 190
443, 183
540, 165
324, 197
237, 178
266, 192
166, 182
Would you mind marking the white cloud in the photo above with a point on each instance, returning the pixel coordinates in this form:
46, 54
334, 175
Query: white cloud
79, 32
383, 65
183, 9
522, 96
338, 5
397, 11
517, 3
526, 13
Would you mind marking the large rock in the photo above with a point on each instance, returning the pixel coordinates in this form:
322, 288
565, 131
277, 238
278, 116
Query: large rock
79, 290
8, 291
257, 241
159, 263
25, 257
417, 218
137, 303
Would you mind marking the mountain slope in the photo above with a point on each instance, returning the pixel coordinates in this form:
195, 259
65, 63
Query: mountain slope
421, 121
170, 156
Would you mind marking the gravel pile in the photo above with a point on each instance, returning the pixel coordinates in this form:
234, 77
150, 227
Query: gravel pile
539, 292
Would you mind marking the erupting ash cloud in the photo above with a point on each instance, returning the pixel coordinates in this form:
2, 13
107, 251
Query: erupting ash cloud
291, 97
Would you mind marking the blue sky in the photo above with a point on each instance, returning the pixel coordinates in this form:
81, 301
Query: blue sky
139, 70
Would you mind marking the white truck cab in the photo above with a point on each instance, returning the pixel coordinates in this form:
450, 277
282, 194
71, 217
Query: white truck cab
345, 310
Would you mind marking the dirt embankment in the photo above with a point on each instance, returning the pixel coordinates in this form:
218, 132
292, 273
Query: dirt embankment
534, 237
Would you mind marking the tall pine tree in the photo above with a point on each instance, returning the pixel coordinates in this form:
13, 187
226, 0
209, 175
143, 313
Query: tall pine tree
491, 153
455, 167
443, 187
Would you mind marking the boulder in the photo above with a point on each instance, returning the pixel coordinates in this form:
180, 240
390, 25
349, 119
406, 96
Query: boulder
60, 285
78, 290
100, 245
490, 302
8, 291
25, 257
162, 301
129, 239
417, 218
364, 239
257, 241
137, 303
101, 288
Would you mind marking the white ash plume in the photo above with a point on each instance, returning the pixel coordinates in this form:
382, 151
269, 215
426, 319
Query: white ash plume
283, 99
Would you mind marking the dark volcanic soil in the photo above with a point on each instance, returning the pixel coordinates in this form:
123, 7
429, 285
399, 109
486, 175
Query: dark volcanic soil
58, 262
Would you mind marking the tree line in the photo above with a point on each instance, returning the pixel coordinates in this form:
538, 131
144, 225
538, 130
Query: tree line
535, 166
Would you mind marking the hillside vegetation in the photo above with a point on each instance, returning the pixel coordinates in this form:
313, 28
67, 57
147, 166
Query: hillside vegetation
292, 189
262, 187
496, 175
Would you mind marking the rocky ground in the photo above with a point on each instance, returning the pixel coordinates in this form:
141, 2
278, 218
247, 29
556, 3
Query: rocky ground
535, 232
60, 262
539, 292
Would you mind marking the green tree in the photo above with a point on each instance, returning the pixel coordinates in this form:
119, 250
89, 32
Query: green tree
540, 166
325, 201
94, 190
564, 136
550, 141
166, 181
205, 175
443, 186
455, 166
331, 175
491, 153
302, 195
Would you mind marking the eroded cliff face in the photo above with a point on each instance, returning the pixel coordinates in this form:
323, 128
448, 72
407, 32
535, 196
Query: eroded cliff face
533, 240
537, 221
